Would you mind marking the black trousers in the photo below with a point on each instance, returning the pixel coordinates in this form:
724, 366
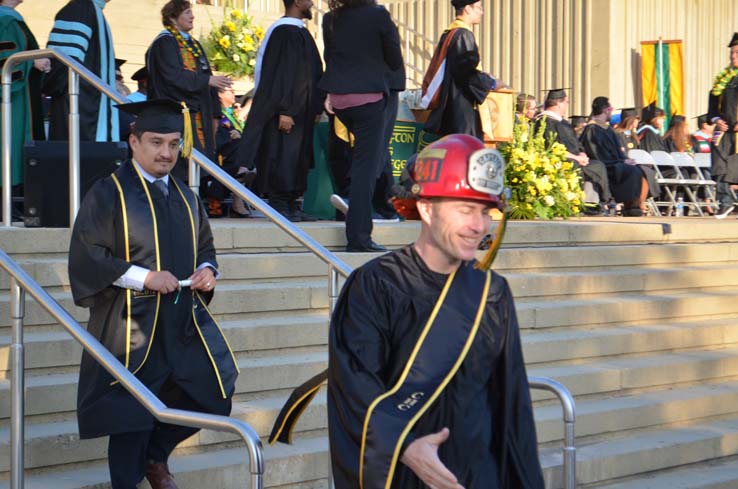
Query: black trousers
367, 123
385, 180
129, 453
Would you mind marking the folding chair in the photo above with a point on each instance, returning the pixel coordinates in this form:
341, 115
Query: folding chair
686, 166
703, 162
665, 160
643, 158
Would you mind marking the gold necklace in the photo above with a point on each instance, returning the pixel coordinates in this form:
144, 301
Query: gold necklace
178, 36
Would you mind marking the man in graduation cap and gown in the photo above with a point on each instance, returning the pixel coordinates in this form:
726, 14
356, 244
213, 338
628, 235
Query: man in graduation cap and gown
138, 233
629, 183
555, 106
454, 86
426, 379
278, 136
81, 32
723, 110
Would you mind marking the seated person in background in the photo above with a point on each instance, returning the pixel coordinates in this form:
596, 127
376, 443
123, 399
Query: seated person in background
702, 139
628, 182
677, 137
525, 108
649, 134
626, 130
578, 123
227, 139
141, 77
556, 105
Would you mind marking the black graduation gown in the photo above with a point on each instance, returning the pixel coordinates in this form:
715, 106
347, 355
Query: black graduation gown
486, 406
187, 346
289, 86
651, 140
724, 154
170, 79
563, 132
78, 34
627, 141
601, 143
463, 88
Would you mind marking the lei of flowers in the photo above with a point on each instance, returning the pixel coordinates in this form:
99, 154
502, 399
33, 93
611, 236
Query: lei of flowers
232, 46
188, 46
722, 79
543, 183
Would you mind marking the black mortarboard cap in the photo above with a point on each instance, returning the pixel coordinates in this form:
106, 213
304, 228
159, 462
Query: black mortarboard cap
161, 116
556, 94
462, 3
140, 74
734, 41
702, 119
119, 62
164, 117
628, 112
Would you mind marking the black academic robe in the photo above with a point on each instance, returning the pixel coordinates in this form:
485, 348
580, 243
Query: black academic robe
464, 87
601, 143
170, 337
651, 140
486, 406
81, 31
288, 86
725, 153
177, 75
563, 132
627, 141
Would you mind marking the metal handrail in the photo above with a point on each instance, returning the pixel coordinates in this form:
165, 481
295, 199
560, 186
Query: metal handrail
76, 71
569, 415
20, 282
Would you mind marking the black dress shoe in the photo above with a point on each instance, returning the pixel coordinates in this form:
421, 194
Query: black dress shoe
372, 247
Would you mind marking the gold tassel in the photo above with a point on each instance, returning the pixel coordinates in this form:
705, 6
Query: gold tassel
187, 134
486, 262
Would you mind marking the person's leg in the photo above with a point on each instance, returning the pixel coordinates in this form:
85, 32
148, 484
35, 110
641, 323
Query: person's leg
366, 122
166, 437
385, 180
127, 458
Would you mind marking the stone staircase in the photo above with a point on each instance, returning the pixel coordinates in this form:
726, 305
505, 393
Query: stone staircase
638, 318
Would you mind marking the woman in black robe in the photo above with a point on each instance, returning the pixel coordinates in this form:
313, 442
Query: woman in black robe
179, 71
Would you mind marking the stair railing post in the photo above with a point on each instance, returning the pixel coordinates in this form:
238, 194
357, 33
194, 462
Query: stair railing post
17, 308
194, 175
6, 137
74, 193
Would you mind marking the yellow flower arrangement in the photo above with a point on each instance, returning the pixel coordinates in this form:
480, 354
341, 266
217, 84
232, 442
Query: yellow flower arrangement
231, 46
543, 184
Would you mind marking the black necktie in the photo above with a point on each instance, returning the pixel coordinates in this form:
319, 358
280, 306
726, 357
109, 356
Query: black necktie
162, 186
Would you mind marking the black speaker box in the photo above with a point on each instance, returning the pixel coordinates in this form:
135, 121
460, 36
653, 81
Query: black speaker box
46, 177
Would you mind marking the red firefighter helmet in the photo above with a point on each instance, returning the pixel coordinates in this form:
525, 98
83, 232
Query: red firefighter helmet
460, 167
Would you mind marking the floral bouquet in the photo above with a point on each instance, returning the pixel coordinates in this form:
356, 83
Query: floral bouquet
231, 46
543, 183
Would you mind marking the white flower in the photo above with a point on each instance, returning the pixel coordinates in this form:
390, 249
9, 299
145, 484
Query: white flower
549, 200
236, 58
252, 62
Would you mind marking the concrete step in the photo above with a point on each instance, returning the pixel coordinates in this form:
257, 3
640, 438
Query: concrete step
57, 443
307, 460
47, 394
714, 474
257, 235
230, 299
47, 349
625, 372
50, 269
646, 451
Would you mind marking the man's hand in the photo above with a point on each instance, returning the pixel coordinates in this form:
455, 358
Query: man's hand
285, 123
421, 456
219, 82
163, 282
234, 134
328, 106
630, 161
721, 125
583, 159
203, 280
